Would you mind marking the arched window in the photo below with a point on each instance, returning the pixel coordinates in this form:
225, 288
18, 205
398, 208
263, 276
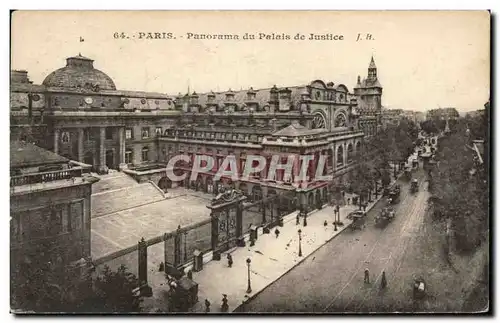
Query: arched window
350, 153
340, 156
358, 146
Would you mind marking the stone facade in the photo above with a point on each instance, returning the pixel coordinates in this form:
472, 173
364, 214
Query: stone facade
90, 121
50, 206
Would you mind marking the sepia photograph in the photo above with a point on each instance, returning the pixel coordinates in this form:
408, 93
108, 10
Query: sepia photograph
250, 162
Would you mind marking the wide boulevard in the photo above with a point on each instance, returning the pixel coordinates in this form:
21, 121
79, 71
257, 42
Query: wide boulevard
331, 279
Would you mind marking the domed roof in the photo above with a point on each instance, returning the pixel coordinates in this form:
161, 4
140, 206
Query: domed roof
79, 72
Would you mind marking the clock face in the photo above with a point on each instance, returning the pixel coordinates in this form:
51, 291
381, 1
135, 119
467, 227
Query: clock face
89, 100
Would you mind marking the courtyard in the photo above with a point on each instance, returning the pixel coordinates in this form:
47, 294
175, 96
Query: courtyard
116, 231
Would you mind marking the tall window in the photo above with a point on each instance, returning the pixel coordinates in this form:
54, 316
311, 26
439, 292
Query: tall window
109, 133
358, 147
75, 216
55, 225
340, 156
145, 132
128, 133
65, 137
36, 224
349, 153
145, 154
129, 156
87, 134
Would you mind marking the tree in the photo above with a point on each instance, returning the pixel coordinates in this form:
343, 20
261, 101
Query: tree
44, 286
109, 292
457, 194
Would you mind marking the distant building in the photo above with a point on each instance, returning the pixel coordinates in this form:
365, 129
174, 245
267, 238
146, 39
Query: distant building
394, 116
443, 114
475, 114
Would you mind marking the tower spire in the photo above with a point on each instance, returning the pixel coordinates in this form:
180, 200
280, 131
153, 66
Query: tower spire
372, 70
372, 63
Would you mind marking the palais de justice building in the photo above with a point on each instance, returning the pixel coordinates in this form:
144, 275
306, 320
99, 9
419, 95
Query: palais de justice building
77, 112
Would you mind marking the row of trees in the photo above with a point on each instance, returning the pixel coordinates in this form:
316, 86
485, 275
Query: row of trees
50, 287
460, 184
394, 144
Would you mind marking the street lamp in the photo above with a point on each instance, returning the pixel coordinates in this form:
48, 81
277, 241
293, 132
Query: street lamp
300, 243
249, 288
185, 246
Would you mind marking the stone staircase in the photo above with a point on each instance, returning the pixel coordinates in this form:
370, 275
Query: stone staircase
113, 181
117, 192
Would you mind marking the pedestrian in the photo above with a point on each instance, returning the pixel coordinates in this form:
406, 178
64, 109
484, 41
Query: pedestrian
229, 260
343, 194
297, 219
348, 200
364, 207
325, 223
367, 276
383, 282
277, 233
224, 307
207, 306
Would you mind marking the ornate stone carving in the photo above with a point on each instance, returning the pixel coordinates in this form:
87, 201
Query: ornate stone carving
226, 196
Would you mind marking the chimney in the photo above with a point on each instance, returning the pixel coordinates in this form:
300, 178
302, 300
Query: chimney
194, 98
211, 97
285, 99
19, 76
230, 96
251, 94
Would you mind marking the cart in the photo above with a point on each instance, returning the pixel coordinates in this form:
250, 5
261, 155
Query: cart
386, 215
419, 288
414, 185
408, 173
183, 296
394, 195
358, 221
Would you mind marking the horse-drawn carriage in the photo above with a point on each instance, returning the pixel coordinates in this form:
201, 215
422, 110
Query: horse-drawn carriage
386, 215
393, 196
414, 185
358, 220
408, 173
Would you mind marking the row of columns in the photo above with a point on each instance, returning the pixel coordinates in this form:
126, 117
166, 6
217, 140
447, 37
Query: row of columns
101, 164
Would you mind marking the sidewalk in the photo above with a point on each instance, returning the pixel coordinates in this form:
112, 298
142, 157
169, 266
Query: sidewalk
271, 258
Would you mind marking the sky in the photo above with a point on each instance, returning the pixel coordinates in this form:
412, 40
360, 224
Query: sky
425, 59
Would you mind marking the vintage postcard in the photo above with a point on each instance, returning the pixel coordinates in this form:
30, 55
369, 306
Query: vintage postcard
250, 162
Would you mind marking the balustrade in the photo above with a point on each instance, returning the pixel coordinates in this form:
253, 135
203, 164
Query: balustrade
44, 177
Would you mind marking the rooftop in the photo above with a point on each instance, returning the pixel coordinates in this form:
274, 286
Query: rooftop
79, 72
297, 130
24, 154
